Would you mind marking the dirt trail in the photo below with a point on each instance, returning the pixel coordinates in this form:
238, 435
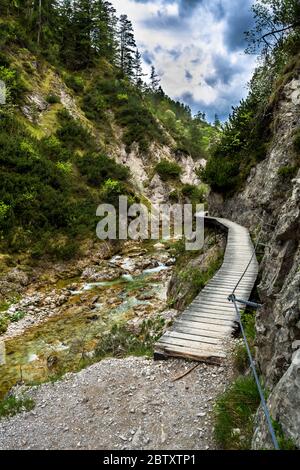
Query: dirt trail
130, 403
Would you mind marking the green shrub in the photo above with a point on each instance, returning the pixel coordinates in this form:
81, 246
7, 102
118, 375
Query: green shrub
112, 189
4, 306
174, 196
12, 32
220, 174
240, 355
97, 168
15, 317
53, 99
65, 250
287, 172
198, 278
190, 280
243, 143
283, 442
4, 322
52, 148
168, 170
139, 124
4, 60
194, 193
248, 320
121, 342
9, 77
29, 68
38, 196
72, 133
65, 167
4, 213
94, 105
12, 405
240, 358
297, 142
75, 82
234, 414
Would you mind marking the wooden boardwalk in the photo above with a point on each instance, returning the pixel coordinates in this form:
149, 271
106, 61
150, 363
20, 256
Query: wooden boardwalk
199, 332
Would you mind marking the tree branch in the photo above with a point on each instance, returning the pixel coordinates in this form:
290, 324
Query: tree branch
281, 30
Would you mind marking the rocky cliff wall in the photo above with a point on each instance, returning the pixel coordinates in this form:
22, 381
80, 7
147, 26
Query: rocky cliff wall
270, 204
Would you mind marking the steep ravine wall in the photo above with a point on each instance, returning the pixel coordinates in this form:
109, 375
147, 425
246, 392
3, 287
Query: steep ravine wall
272, 202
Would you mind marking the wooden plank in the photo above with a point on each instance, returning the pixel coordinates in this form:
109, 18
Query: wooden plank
204, 305
188, 344
239, 291
202, 326
228, 283
191, 337
209, 321
198, 332
210, 310
211, 313
214, 298
210, 318
177, 351
224, 307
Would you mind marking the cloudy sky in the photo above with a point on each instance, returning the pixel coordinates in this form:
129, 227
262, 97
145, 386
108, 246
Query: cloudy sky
197, 47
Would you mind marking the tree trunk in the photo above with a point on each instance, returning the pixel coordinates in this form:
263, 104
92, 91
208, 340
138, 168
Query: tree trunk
39, 23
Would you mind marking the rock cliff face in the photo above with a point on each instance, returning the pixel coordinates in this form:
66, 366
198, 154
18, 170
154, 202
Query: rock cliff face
270, 204
149, 183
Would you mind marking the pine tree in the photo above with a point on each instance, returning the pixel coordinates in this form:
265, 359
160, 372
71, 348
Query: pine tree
137, 69
200, 116
105, 29
40, 19
127, 46
67, 33
154, 79
9, 7
83, 29
217, 122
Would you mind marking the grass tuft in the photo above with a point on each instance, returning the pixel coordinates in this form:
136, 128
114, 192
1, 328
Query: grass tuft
12, 405
121, 342
234, 414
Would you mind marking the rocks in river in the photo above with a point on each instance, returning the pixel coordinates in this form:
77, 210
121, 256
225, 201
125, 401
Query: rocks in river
19, 277
146, 296
101, 273
137, 265
35, 308
52, 361
170, 262
159, 246
169, 315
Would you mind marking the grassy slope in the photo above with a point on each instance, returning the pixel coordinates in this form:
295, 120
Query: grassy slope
49, 196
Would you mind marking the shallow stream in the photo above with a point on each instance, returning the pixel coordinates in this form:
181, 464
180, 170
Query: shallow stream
63, 341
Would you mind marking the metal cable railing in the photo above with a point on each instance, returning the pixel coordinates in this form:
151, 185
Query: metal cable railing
235, 300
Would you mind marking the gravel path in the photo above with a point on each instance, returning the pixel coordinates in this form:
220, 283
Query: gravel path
130, 403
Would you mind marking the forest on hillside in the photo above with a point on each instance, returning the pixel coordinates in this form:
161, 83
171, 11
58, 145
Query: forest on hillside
57, 171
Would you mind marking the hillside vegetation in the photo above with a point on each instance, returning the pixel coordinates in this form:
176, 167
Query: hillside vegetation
75, 88
249, 131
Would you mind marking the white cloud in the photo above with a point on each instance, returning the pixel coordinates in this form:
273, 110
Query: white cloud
193, 43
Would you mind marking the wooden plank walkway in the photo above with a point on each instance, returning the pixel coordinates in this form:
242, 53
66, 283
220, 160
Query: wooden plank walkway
199, 332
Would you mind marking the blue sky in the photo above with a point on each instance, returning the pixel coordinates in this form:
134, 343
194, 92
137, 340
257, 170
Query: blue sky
197, 47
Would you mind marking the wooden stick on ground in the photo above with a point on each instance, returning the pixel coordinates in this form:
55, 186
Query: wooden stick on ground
186, 373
